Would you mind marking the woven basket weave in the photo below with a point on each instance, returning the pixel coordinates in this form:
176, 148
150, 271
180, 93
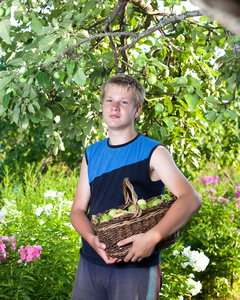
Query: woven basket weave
138, 221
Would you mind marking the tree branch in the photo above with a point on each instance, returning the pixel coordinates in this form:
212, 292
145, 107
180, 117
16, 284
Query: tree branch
115, 12
167, 21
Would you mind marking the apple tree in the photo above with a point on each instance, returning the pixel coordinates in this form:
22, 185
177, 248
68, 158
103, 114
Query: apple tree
56, 54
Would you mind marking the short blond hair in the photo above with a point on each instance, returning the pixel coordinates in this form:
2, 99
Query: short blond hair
128, 82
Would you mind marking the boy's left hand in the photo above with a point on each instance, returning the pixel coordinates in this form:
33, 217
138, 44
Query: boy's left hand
143, 245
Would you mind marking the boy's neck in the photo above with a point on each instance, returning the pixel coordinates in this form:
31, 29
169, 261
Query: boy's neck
120, 137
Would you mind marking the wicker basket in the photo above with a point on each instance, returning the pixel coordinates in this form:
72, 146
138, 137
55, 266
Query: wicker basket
138, 221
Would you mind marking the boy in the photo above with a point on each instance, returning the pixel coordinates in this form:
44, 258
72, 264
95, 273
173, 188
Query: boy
150, 168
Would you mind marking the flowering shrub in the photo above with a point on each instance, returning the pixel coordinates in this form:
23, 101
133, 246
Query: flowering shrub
178, 268
37, 216
215, 230
5, 244
203, 264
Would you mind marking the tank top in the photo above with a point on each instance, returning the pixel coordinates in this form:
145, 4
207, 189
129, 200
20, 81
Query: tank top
108, 165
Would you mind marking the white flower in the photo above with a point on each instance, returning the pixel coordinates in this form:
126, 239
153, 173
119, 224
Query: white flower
194, 287
57, 119
39, 211
184, 264
191, 275
197, 260
175, 252
48, 208
3, 212
201, 262
50, 193
180, 297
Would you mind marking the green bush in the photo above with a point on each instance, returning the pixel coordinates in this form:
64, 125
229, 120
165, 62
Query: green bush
214, 229
39, 215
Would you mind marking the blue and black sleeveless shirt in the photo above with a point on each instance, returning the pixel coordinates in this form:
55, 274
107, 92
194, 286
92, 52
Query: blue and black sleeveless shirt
108, 165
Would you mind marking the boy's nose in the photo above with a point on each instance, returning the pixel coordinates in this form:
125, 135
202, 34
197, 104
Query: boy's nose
115, 106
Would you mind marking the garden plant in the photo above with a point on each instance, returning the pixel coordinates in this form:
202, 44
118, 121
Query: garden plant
39, 249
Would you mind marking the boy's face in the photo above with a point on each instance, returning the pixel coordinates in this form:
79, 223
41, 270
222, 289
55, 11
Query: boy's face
119, 108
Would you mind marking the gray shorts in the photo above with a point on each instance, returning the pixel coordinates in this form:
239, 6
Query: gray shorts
94, 282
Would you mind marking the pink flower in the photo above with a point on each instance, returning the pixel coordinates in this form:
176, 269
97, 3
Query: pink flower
224, 199
237, 193
232, 217
200, 196
209, 180
29, 253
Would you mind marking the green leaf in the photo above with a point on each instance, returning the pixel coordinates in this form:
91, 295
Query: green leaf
232, 39
79, 77
47, 112
15, 115
5, 31
36, 25
211, 99
43, 79
194, 82
46, 43
5, 80
192, 101
17, 62
233, 114
2, 109
219, 118
6, 99
232, 78
211, 115
31, 108
169, 123
70, 68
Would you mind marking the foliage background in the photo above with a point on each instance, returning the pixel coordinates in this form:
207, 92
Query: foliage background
56, 54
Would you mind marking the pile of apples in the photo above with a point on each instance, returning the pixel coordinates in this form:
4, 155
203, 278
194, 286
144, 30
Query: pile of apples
115, 213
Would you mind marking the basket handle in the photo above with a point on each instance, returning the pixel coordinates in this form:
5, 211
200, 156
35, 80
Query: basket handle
128, 201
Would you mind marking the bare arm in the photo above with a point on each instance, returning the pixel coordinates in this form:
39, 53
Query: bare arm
79, 217
163, 167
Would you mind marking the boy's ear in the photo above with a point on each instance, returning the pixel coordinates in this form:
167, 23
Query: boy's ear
138, 111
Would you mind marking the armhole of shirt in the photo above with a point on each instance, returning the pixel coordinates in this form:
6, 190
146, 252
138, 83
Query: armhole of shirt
85, 152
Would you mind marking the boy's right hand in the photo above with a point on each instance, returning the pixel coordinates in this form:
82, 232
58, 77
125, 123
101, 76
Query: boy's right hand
100, 249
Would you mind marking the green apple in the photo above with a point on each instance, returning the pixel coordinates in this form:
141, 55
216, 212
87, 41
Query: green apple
159, 107
112, 212
131, 208
2, 11
156, 202
227, 114
141, 202
152, 80
25, 19
22, 79
83, 33
56, 75
7, 11
150, 203
143, 206
99, 80
105, 218
118, 213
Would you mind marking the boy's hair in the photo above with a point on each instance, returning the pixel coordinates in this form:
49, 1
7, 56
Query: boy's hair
128, 82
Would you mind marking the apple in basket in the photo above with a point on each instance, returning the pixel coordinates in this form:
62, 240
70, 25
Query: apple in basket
142, 203
105, 218
118, 212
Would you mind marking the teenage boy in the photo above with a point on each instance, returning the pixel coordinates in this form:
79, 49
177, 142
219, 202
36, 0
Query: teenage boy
149, 167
